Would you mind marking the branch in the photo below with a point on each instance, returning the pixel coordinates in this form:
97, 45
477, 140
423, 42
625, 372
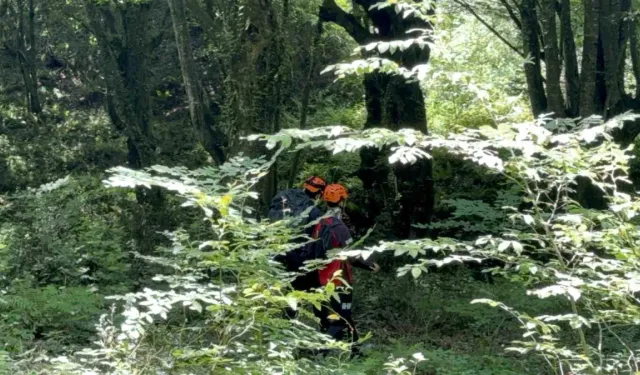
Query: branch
512, 14
494, 31
331, 12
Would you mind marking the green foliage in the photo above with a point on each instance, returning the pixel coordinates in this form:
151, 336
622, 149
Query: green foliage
76, 141
64, 243
5, 363
397, 358
474, 217
553, 244
435, 310
506, 193
223, 297
45, 316
475, 79
70, 232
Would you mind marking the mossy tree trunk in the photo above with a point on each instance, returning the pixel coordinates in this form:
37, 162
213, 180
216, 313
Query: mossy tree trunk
210, 139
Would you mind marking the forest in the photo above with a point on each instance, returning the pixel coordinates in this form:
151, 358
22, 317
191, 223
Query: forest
408, 187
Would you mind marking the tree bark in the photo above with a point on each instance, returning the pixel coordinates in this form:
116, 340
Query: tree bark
133, 65
124, 64
208, 137
26, 50
589, 58
306, 96
635, 56
610, 18
124, 44
331, 12
531, 48
552, 58
572, 77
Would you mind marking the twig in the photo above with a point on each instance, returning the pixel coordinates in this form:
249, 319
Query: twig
491, 28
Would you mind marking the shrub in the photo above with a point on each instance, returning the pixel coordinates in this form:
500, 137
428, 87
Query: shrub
69, 232
222, 298
586, 258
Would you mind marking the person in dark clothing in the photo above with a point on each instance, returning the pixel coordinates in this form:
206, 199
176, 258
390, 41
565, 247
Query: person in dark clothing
332, 233
293, 203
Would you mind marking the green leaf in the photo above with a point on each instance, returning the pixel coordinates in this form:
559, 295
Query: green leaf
293, 303
517, 247
415, 272
485, 301
504, 245
574, 293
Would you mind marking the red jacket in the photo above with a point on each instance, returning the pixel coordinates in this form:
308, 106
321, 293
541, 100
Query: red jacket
335, 235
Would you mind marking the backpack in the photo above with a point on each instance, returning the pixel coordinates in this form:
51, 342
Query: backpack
325, 242
289, 203
321, 233
293, 203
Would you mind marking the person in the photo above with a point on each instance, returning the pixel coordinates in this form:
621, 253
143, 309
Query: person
293, 203
332, 233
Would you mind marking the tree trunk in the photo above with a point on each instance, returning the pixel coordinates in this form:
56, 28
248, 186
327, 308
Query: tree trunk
208, 137
306, 96
401, 105
635, 56
599, 88
552, 58
531, 48
610, 18
133, 67
571, 74
589, 58
393, 103
26, 50
124, 62
125, 46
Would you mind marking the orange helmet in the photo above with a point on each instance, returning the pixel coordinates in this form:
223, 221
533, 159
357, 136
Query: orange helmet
314, 184
335, 193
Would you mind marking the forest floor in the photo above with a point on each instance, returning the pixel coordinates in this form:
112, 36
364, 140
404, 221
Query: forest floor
434, 316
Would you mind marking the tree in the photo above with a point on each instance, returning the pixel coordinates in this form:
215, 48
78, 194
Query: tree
125, 44
392, 102
21, 27
250, 44
123, 34
609, 35
201, 117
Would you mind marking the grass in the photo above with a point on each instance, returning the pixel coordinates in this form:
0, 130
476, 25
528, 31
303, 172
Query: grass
433, 315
